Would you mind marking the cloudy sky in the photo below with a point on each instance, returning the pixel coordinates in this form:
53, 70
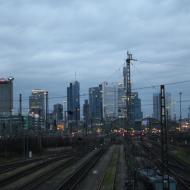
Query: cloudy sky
44, 42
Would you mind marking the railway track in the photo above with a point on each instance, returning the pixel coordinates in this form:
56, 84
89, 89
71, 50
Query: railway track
29, 170
32, 178
113, 164
13, 165
74, 179
178, 170
184, 183
174, 159
9, 166
46, 176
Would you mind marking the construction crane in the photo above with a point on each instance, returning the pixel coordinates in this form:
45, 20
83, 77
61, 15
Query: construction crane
127, 86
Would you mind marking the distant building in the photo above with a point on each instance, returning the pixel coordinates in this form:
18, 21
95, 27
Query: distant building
110, 100
10, 125
86, 112
52, 122
121, 101
136, 109
95, 103
64, 110
58, 112
156, 105
38, 108
73, 101
137, 114
6, 96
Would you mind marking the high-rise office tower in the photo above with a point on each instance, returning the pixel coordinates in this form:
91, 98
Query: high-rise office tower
121, 101
86, 112
73, 101
38, 108
136, 110
110, 100
95, 102
6, 96
136, 114
156, 105
65, 110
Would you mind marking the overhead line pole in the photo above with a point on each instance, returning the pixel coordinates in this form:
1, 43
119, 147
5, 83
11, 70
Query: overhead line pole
164, 139
127, 86
180, 94
20, 109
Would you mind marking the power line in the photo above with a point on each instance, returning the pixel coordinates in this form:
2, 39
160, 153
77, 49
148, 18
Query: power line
150, 83
140, 88
158, 85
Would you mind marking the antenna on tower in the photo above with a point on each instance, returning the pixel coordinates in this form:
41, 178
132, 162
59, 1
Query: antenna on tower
75, 76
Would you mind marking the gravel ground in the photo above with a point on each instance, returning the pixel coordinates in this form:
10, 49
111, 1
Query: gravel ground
121, 171
95, 176
24, 180
93, 179
54, 182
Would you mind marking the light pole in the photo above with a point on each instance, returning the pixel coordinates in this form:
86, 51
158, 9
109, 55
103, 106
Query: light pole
180, 94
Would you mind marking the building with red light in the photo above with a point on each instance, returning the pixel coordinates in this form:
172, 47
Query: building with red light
6, 96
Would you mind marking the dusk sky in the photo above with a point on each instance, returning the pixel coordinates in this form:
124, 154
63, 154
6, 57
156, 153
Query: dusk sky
44, 42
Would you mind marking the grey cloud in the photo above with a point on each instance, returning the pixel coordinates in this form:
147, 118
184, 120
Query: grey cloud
44, 42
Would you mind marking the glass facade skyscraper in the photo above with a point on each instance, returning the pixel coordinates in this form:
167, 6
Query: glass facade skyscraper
38, 108
73, 101
95, 102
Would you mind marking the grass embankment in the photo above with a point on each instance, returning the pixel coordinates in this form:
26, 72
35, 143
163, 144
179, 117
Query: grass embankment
109, 178
182, 154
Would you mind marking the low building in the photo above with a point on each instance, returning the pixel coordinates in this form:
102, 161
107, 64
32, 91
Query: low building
10, 125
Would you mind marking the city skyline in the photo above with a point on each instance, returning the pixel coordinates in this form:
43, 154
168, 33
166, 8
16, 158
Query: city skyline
83, 95
60, 99
52, 47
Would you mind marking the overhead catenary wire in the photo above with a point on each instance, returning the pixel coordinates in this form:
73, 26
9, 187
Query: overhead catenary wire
166, 84
86, 94
148, 81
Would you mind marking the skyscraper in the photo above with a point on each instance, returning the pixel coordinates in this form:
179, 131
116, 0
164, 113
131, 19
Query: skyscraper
156, 105
136, 114
65, 110
58, 112
95, 102
38, 108
121, 101
73, 101
86, 112
110, 100
6, 96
